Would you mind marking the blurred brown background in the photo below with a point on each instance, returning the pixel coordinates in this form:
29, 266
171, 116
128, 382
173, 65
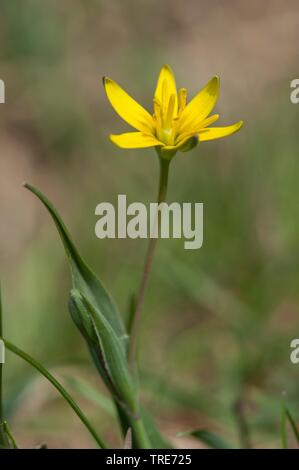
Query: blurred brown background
217, 322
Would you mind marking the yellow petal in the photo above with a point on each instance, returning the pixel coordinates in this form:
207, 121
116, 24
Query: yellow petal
127, 107
200, 106
212, 133
165, 88
205, 123
131, 140
210, 120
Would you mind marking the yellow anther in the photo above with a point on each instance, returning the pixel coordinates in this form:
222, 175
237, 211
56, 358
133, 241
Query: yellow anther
170, 112
182, 97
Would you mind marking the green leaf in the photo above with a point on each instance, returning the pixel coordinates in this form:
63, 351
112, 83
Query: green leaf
283, 428
140, 438
83, 278
293, 425
153, 435
100, 323
209, 438
5, 442
7, 439
43, 371
91, 394
287, 417
106, 346
156, 440
130, 313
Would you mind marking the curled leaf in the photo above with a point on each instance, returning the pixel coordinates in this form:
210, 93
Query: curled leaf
104, 345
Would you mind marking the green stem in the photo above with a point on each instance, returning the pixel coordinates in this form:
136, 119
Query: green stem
12, 441
58, 387
140, 439
164, 170
141, 436
283, 428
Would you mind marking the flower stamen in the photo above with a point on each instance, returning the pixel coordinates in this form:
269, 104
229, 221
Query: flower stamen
182, 98
164, 103
170, 113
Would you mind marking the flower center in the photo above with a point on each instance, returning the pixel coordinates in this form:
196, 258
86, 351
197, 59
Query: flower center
166, 116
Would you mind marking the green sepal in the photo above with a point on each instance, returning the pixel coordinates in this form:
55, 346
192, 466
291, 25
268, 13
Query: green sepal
190, 144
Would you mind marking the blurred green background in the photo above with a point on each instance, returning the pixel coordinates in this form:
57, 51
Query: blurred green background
217, 322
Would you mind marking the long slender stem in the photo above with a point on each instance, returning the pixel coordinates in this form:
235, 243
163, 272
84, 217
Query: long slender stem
141, 435
58, 387
164, 170
12, 442
283, 428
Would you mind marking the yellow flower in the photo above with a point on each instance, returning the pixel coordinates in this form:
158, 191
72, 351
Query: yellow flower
174, 125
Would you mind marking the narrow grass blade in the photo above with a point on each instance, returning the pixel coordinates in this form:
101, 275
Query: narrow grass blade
11, 439
283, 428
91, 394
293, 425
287, 417
157, 441
130, 313
30, 360
209, 438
